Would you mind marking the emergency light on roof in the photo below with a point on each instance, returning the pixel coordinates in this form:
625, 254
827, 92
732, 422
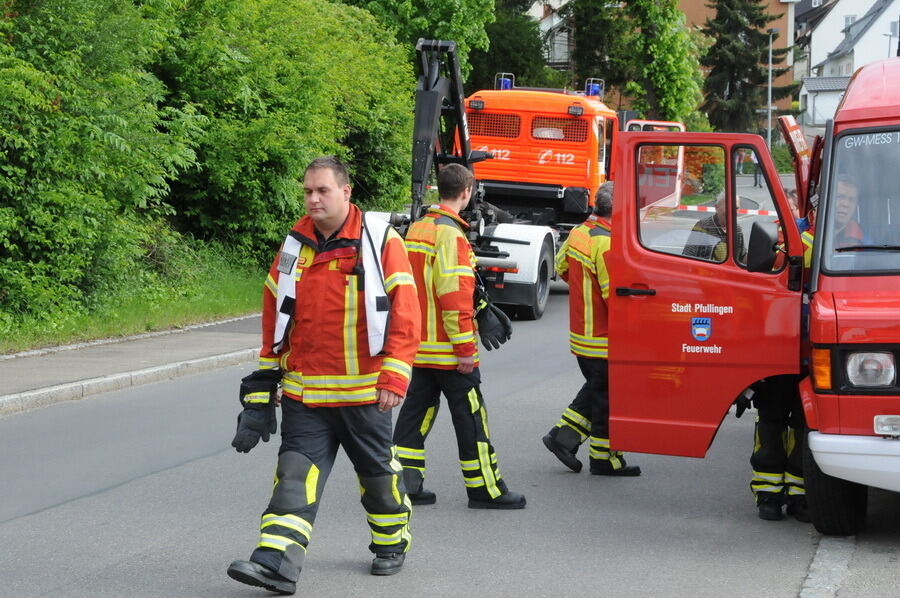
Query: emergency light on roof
576, 110
504, 81
594, 87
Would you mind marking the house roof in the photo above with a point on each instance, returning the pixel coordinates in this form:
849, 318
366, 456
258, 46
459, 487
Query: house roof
826, 83
859, 28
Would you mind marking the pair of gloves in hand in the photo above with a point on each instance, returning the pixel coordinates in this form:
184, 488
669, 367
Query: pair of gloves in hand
494, 326
257, 420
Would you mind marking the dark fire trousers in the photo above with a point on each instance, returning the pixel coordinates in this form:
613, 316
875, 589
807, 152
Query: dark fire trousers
778, 440
477, 459
588, 415
309, 443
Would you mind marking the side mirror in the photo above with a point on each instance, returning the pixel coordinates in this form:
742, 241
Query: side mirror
761, 252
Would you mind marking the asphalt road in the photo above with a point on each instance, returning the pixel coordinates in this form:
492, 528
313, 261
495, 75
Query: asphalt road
138, 493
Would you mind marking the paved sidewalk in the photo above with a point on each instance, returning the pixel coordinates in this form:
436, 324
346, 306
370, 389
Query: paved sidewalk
38, 378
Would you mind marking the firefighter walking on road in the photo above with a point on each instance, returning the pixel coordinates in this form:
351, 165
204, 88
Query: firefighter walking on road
580, 262
447, 360
340, 329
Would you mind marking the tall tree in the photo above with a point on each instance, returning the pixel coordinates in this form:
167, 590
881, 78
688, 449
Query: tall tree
601, 36
516, 46
736, 85
665, 64
641, 47
462, 21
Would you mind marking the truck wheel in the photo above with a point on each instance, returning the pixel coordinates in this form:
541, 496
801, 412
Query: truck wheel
837, 507
540, 290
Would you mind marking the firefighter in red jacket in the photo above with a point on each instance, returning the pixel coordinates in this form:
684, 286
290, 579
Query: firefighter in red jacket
580, 262
447, 360
338, 384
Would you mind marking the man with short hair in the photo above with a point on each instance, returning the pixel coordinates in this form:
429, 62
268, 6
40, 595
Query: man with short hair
447, 361
581, 263
846, 198
334, 281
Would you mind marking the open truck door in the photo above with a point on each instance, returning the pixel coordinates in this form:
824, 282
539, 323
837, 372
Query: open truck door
691, 327
801, 155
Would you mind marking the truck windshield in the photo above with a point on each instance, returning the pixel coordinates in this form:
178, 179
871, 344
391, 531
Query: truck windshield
862, 223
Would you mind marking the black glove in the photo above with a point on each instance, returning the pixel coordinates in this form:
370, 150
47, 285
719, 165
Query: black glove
257, 420
743, 402
493, 326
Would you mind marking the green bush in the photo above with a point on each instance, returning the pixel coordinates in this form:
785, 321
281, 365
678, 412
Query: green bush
713, 178
781, 155
284, 81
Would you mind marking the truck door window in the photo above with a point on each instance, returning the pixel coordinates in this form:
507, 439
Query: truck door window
862, 219
682, 201
754, 201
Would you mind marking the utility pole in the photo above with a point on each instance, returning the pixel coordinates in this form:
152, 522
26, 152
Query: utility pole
771, 32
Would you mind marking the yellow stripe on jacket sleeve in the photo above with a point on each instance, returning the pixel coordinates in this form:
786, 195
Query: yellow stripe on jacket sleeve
398, 367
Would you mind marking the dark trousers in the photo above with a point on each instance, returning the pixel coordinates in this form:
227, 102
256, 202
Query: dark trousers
477, 458
778, 439
587, 416
309, 441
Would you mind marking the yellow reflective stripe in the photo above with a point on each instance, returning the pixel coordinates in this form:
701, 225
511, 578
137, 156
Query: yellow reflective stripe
277, 542
792, 479
474, 482
576, 417
426, 422
430, 308
351, 363
268, 363
271, 285
446, 270
416, 247
411, 453
586, 300
432, 359
394, 490
340, 381
600, 442
257, 398
487, 471
289, 521
471, 465
807, 238
591, 341
338, 396
389, 519
473, 400
581, 259
385, 539
775, 478
484, 423
595, 353
461, 338
599, 454
401, 368
796, 491
436, 346
574, 427
398, 278
394, 463
766, 488
312, 482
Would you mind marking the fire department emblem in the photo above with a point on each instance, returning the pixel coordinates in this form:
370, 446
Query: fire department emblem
701, 328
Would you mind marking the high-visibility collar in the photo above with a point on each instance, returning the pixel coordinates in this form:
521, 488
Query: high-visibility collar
350, 240
597, 222
442, 210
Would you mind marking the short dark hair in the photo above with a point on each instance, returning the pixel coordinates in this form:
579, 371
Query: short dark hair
332, 163
603, 200
453, 179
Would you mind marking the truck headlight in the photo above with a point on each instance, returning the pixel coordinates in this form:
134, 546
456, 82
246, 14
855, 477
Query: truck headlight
871, 369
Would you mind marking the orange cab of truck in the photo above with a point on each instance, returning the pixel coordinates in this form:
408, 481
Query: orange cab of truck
711, 292
544, 142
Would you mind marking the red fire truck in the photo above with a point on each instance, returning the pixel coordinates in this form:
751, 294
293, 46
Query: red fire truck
712, 293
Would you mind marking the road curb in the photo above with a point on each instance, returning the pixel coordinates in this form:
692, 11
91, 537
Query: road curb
73, 391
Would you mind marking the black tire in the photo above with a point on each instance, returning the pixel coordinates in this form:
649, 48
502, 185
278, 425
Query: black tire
837, 507
540, 290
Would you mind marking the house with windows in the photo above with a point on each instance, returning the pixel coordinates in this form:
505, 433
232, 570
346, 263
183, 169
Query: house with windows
867, 37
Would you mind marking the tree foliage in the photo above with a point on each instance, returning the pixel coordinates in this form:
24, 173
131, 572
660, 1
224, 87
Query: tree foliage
124, 122
462, 21
641, 47
736, 85
516, 46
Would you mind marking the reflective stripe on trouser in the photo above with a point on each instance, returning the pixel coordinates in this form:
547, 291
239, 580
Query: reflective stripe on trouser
478, 461
588, 414
309, 441
777, 459
600, 452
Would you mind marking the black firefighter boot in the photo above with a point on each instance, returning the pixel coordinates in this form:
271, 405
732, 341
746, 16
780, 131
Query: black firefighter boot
564, 444
254, 574
769, 506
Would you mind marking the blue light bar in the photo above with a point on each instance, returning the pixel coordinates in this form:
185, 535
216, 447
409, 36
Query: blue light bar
504, 83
